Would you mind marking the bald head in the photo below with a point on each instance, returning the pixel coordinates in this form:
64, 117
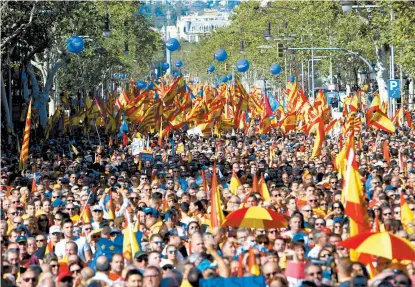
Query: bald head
87, 273
271, 269
102, 264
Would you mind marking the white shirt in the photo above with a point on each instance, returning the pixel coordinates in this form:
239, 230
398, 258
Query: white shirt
313, 253
81, 242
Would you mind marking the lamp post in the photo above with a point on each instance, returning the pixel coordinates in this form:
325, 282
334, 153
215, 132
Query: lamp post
348, 6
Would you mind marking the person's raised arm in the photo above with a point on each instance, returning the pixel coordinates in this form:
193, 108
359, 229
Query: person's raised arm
224, 270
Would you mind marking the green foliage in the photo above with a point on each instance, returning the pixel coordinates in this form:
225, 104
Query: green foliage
53, 22
312, 24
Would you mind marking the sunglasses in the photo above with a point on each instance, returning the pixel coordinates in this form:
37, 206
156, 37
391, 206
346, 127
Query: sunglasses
75, 271
308, 210
43, 220
29, 279
54, 265
158, 242
387, 213
70, 208
168, 267
40, 240
141, 259
172, 251
270, 274
13, 213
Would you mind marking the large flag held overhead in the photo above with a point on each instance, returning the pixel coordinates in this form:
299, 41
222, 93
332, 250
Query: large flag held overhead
354, 203
216, 213
24, 154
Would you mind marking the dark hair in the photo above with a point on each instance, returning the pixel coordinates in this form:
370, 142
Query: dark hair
132, 272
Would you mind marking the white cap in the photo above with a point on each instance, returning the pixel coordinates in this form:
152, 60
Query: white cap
166, 262
55, 229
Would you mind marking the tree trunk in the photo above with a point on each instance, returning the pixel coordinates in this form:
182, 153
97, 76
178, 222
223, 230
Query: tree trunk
42, 98
5, 102
382, 73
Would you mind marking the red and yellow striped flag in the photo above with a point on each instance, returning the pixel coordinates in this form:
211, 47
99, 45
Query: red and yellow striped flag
24, 154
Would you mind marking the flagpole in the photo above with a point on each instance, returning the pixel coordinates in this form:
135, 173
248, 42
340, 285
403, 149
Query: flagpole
96, 128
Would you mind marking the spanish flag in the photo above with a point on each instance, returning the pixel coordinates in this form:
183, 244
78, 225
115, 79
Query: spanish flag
130, 244
354, 203
382, 122
111, 208
263, 188
216, 212
24, 154
406, 215
252, 264
235, 183
86, 215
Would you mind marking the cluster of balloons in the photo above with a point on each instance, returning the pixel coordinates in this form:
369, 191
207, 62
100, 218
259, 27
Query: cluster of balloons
119, 76
75, 44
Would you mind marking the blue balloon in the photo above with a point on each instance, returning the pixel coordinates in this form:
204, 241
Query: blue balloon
122, 76
211, 69
150, 86
242, 65
221, 55
115, 76
229, 77
75, 44
172, 44
224, 79
291, 79
165, 66
141, 84
179, 63
176, 74
275, 69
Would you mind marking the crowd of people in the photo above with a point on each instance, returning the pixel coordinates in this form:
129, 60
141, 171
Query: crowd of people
46, 240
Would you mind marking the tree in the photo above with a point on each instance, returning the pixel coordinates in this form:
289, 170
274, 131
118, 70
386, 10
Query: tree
316, 24
35, 36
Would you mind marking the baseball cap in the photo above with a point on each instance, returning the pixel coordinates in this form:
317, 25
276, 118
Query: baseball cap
299, 237
166, 262
96, 207
63, 275
58, 203
21, 238
54, 229
115, 231
65, 180
138, 254
205, 264
151, 210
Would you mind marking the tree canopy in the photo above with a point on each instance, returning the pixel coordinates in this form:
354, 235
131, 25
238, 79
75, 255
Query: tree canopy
311, 24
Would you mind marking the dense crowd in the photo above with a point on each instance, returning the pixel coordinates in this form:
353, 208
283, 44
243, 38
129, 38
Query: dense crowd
46, 240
